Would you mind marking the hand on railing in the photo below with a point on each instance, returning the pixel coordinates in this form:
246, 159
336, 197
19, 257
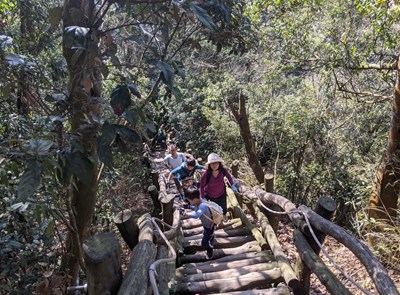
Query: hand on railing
234, 188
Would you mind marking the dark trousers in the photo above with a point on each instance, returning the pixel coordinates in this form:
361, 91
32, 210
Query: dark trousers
208, 237
220, 201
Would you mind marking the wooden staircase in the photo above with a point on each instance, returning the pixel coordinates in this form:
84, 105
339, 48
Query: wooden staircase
238, 263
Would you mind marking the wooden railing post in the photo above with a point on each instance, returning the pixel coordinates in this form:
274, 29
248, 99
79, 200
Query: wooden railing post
152, 190
127, 226
269, 187
235, 168
154, 177
325, 207
103, 263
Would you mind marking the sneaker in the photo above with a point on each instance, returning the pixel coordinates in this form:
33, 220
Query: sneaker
209, 253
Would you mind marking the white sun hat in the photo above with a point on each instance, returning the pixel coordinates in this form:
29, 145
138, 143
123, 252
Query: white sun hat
214, 158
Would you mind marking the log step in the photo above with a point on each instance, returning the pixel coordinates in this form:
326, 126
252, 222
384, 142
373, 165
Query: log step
218, 253
242, 282
217, 265
192, 223
223, 233
228, 242
280, 290
224, 229
213, 274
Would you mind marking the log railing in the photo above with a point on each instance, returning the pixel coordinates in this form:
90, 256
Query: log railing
148, 243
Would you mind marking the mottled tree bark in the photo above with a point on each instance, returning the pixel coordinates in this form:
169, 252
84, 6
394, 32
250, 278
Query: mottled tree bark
386, 186
83, 89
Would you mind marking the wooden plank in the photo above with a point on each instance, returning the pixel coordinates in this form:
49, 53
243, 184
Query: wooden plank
142, 256
192, 223
243, 282
317, 266
229, 242
230, 224
223, 233
211, 274
287, 271
232, 258
212, 266
218, 253
280, 290
252, 228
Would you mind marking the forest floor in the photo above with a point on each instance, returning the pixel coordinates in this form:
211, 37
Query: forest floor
339, 253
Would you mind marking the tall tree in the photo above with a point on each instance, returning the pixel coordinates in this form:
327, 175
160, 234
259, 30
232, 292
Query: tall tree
384, 198
242, 120
80, 49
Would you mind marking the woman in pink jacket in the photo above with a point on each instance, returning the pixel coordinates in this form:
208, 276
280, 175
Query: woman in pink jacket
212, 184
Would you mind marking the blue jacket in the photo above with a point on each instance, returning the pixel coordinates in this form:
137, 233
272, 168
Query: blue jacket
182, 172
201, 210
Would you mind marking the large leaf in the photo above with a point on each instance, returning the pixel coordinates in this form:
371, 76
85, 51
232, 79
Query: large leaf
120, 98
30, 180
39, 147
131, 116
108, 133
128, 134
104, 152
177, 93
15, 60
134, 90
5, 40
167, 73
179, 68
122, 146
203, 16
80, 166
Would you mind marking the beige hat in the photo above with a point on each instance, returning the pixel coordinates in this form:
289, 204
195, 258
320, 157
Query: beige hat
214, 158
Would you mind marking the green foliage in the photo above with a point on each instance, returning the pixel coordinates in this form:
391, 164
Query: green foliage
318, 121
203, 16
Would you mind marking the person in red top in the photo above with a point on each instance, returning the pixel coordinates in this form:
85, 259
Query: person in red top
212, 184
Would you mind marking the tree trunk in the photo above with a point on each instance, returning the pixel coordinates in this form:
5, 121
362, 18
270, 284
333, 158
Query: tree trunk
243, 122
386, 187
82, 193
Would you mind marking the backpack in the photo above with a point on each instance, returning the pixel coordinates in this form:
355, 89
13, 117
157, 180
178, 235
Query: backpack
216, 212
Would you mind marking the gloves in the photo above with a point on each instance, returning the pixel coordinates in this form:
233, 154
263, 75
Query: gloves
234, 188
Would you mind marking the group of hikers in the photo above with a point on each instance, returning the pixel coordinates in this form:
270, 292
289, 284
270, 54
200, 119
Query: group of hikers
211, 187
